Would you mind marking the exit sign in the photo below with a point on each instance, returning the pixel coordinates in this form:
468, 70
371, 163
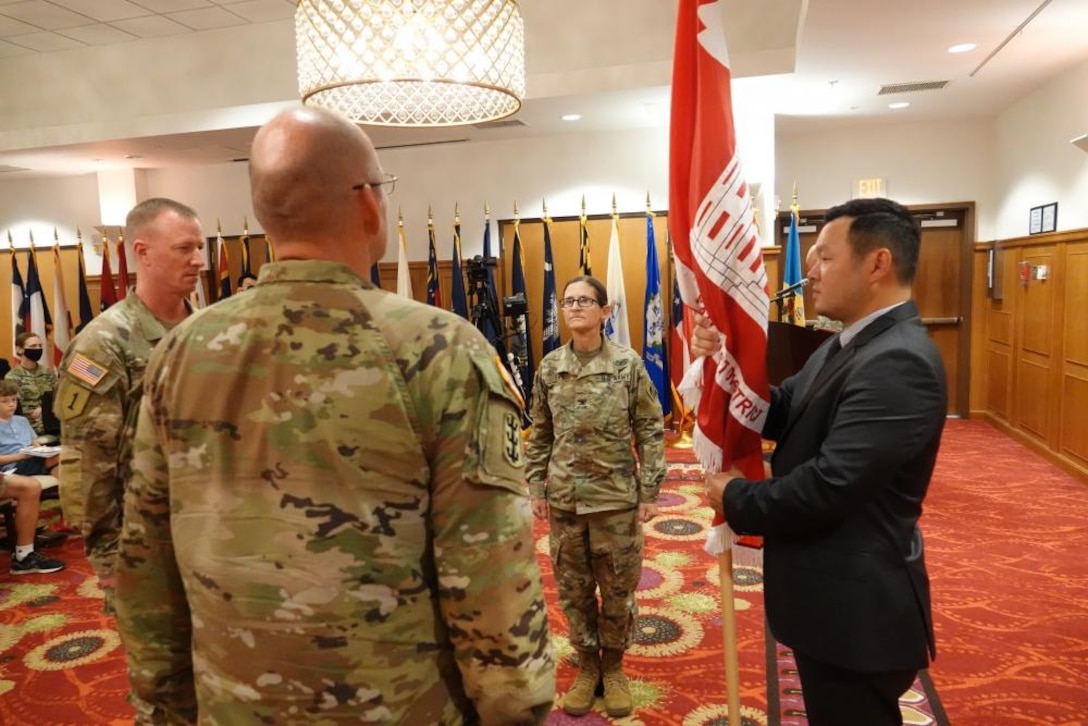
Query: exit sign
869, 188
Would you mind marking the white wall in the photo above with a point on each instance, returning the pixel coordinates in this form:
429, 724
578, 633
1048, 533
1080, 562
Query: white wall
922, 163
560, 168
40, 205
1036, 164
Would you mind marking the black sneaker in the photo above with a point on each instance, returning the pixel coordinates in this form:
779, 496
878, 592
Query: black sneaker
35, 563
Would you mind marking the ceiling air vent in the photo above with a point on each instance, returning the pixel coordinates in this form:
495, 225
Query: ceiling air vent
5, 169
891, 88
505, 123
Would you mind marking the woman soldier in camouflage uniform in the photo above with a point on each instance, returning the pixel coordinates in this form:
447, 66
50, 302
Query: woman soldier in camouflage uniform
591, 400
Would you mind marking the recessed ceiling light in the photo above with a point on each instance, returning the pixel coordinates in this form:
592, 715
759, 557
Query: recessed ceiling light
962, 48
571, 116
899, 104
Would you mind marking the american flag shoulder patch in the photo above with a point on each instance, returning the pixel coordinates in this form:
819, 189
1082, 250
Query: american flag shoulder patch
87, 370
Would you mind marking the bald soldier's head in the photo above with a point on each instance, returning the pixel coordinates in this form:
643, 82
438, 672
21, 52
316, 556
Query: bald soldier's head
315, 179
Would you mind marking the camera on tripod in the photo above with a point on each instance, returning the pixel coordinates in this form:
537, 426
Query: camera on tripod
514, 306
477, 267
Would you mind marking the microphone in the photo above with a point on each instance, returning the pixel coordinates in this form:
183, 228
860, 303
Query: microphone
787, 291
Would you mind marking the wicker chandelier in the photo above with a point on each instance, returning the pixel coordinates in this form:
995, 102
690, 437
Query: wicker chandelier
412, 62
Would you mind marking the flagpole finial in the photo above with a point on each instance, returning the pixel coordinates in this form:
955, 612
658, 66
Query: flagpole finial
456, 213
79, 236
487, 211
56, 237
430, 215
648, 206
400, 217
245, 225
613, 204
31, 232
516, 214
583, 205
544, 206
12, 246
218, 227
795, 192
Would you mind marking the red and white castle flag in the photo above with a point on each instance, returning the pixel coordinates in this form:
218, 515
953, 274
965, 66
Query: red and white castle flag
719, 265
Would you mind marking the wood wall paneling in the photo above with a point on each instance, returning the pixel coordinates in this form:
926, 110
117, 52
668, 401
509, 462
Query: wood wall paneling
1036, 303
1075, 330
998, 380
1073, 438
1031, 397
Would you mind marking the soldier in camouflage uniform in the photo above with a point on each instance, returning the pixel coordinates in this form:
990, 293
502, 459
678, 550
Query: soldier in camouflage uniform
101, 375
327, 521
32, 378
591, 400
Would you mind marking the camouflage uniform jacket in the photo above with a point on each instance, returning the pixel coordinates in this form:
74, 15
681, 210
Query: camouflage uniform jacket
327, 520
585, 416
98, 396
32, 384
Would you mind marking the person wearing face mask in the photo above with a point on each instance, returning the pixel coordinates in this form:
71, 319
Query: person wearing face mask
32, 377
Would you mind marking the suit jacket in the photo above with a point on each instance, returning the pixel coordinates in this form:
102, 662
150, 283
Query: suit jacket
844, 572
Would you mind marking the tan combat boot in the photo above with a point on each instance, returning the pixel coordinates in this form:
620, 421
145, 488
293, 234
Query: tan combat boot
583, 691
617, 692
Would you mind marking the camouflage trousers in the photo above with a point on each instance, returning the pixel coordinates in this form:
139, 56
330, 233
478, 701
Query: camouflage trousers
591, 552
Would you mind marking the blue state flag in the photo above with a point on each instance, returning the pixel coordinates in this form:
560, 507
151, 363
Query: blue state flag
86, 312
551, 307
522, 345
791, 274
434, 289
458, 298
653, 338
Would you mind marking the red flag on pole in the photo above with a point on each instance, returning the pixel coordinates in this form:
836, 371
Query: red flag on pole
719, 265
122, 269
107, 292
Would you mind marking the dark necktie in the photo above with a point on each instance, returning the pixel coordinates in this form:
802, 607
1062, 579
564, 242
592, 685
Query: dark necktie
833, 350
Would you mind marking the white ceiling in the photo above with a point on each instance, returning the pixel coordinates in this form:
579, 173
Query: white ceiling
608, 60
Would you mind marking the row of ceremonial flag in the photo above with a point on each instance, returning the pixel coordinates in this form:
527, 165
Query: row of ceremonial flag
656, 340
30, 303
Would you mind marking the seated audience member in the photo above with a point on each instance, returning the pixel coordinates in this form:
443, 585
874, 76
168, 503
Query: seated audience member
32, 378
16, 434
17, 482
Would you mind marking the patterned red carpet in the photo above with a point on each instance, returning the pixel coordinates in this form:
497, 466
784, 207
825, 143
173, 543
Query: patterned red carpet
1006, 535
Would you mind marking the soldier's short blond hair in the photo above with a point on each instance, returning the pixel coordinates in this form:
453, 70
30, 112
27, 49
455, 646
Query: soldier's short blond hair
147, 211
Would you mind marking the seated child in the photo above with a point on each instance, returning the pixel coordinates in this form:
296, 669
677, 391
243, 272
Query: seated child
16, 434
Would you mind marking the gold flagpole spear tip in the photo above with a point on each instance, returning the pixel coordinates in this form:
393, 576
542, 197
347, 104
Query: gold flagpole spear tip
456, 213
31, 232
487, 211
79, 236
56, 237
613, 204
400, 217
648, 205
795, 192
9, 241
245, 226
430, 215
544, 206
583, 205
516, 210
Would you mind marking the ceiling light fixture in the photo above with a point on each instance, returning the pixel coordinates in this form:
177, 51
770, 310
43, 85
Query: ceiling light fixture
412, 62
962, 48
899, 104
571, 117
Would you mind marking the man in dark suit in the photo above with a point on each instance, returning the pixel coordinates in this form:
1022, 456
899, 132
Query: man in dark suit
857, 434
